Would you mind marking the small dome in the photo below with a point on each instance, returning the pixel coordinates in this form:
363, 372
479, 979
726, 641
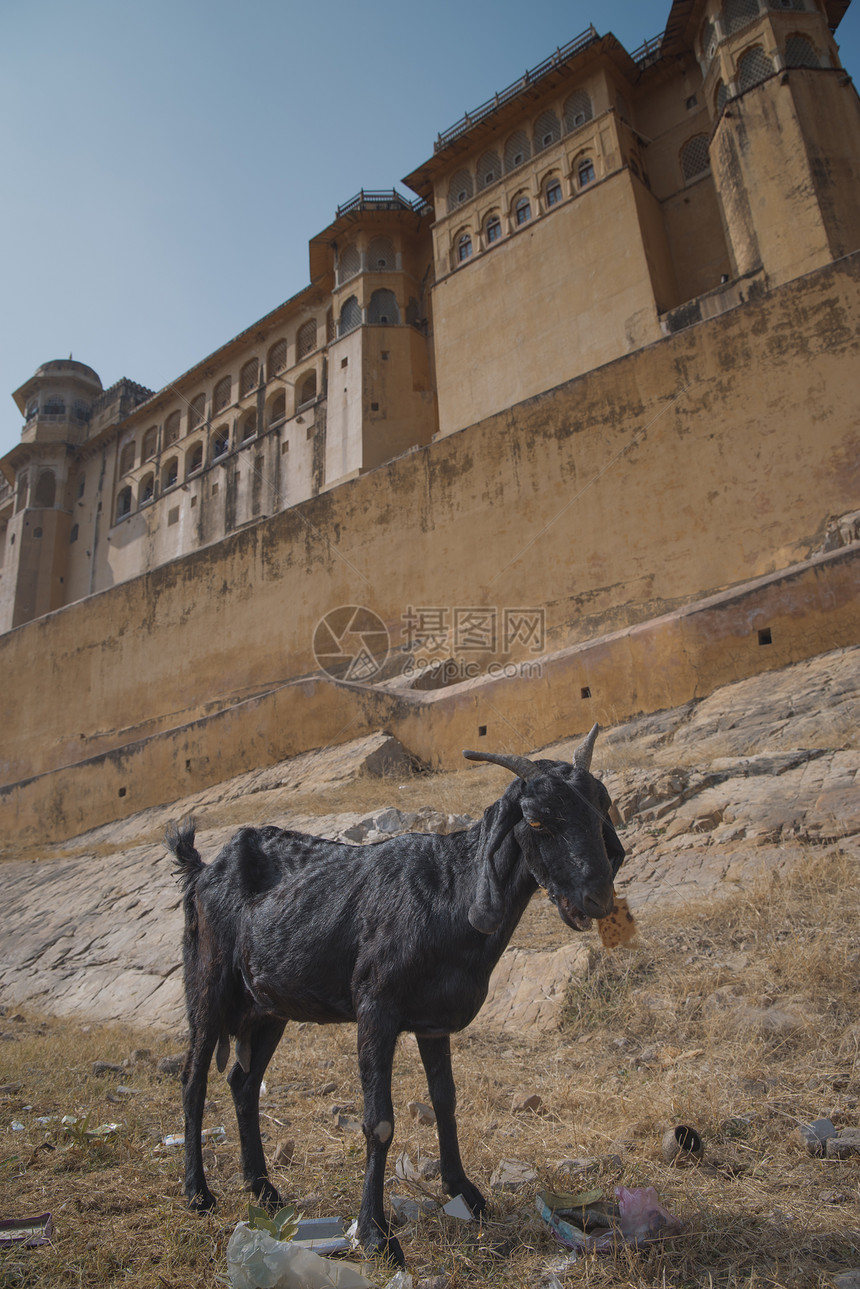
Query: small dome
68, 367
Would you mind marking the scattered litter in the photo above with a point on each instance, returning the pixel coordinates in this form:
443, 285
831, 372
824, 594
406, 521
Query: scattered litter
618, 927
512, 1175
27, 1231
682, 1145
77, 1126
457, 1207
814, 1136
214, 1135
587, 1222
17, 1125
324, 1235
255, 1259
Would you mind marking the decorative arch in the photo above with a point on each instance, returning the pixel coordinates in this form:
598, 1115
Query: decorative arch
577, 110
492, 228
276, 359
196, 411
307, 388
383, 308
46, 490
737, 13
147, 490
249, 377
277, 409
171, 429
123, 503
350, 316
127, 456
170, 473
517, 150
547, 130
463, 247
380, 255
800, 51
221, 442
695, 157
248, 426
460, 189
222, 394
521, 209
193, 459
306, 339
349, 263
552, 190
488, 169
754, 66
150, 443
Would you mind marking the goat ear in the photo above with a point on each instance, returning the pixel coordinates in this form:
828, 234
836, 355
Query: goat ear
614, 850
497, 853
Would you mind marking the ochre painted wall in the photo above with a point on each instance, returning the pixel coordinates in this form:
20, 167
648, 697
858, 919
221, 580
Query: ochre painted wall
711, 457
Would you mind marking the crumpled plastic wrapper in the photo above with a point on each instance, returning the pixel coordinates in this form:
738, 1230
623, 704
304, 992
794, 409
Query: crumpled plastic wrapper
255, 1260
638, 1218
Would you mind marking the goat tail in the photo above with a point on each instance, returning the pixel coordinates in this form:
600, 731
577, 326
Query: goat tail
180, 840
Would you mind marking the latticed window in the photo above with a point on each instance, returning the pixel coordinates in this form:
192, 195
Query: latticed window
552, 192
547, 130
150, 443
277, 357
307, 388
350, 263
383, 307
708, 41
46, 490
249, 377
695, 157
196, 411
577, 110
170, 473
221, 442
329, 325
222, 394
306, 339
459, 189
585, 172
380, 254
278, 410
126, 458
464, 247
753, 68
488, 170
171, 429
493, 229
517, 150
721, 97
799, 52
350, 316
737, 13
123, 503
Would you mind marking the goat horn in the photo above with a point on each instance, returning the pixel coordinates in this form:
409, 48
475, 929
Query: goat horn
519, 765
582, 755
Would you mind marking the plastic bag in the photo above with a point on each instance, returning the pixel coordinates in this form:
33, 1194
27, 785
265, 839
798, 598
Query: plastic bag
255, 1260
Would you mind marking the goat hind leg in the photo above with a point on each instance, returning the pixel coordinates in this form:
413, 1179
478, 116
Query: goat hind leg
436, 1058
261, 1041
377, 1037
195, 1076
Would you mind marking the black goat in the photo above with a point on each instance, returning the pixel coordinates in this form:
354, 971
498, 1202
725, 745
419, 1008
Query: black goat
400, 935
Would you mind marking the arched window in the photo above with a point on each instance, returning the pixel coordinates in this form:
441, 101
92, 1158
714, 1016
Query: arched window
380, 255
147, 490
307, 387
46, 490
349, 264
194, 459
464, 247
276, 359
695, 158
221, 442
249, 426
552, 193
170, 473
492, 229
517, 150
708, 41
306, 339
278, 409
547, 130
150, 443
350, 316
196, 411
488, 170
123, 503
584, 171
721, 97
737, 13
577, 110
753, 67
54, 407
383, 308
222, 394
126, 458
459, 189
522, 211
329, 326
799, 52
171, 429
249, 377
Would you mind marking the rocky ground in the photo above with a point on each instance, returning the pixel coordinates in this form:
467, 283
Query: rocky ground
710, 793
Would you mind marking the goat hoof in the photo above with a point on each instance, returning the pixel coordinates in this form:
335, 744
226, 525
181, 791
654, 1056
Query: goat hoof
267, 1196
386, 1248
202, 1201
472, 1196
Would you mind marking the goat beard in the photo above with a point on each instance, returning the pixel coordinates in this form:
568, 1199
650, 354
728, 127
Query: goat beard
570, 914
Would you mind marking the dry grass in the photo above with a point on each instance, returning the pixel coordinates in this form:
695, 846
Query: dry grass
645, 1044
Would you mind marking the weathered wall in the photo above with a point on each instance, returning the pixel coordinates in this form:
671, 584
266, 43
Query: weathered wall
714, 456
657, 664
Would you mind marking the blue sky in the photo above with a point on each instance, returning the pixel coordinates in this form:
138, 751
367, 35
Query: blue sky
167, 163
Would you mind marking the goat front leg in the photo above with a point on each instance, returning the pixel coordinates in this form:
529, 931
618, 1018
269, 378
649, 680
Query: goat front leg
436, 1058
377, 1037
257, 1047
